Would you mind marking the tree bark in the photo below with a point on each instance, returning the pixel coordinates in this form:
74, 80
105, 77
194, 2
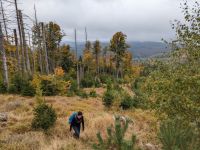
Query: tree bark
17, 49
25, 52
77, 65
4, 59
20, 38
45, 48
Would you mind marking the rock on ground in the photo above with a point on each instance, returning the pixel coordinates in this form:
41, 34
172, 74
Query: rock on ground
3, 117
150, 146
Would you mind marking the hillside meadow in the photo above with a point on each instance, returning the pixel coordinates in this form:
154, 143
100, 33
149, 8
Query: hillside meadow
17, 134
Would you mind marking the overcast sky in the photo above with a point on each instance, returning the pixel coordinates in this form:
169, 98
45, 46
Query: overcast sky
140, 20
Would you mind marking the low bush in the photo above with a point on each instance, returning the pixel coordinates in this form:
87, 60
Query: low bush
49, 88
175, 135
93, 93
12, 89
74, 86
87, 82
82, 94
44, 117
108, 98
17, 84
116, 138
28, 90
106, 79
127, 102
3, 88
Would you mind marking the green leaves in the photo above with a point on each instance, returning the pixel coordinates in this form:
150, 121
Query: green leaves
115, 139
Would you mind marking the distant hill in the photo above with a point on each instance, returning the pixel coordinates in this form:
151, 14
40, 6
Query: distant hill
139, 49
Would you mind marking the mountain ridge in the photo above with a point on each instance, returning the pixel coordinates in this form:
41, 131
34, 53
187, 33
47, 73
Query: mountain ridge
139, 49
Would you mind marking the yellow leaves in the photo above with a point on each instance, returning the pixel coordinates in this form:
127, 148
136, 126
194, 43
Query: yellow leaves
60, 84
9, 47
59, 72
36, 80
136, 69
87, 57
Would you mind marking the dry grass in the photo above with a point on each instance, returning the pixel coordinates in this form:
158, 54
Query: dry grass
17, 134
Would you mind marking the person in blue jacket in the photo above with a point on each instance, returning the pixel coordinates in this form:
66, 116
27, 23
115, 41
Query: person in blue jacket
75, 123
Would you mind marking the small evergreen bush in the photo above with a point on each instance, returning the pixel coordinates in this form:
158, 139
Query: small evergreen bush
48, 88
127, 102
3, 88
82, 94
12, 89
87, 82
108, 98
28, 90
93, 93
175, 135
115, 138
17, 84
44, 117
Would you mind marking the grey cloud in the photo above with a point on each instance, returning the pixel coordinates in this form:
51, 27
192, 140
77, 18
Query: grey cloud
141, 20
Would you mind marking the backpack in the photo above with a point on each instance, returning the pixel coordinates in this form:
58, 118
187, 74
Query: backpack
72, 117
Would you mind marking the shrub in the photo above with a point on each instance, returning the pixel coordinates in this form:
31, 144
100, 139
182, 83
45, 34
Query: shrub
28, 90
48, 88
93, 93
108, 98
127, 102
17, 84
70, 93
3, 88
87, 82
74, 86
115, 139
12, 89
82, 94
175, 135
106, 79
44, 117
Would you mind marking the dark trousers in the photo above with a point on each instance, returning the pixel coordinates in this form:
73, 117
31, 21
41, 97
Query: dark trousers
77, 131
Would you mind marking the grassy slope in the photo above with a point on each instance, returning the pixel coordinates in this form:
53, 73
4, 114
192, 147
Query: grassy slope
17, 134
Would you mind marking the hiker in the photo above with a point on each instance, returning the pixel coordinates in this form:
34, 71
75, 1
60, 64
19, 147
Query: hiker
75, 121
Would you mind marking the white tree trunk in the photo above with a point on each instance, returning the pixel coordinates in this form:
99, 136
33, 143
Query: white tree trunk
5, 67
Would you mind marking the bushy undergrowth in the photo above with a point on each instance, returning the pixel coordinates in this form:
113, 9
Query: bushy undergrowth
3, 88
127, 102
90, 81
93, 93
108, 98
44, 117
116, 138
175, 135
49, 88
82, 94
20, 85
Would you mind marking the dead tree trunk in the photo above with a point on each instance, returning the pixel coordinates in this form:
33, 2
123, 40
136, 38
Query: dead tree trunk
4, 60
17, 50
20, 38
45, 48
4, 20
77, 65
38, 36
25, 48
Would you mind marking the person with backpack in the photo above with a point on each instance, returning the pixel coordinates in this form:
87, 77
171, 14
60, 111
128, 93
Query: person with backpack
75, 121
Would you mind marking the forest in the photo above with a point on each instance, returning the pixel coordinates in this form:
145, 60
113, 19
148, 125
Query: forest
127, 105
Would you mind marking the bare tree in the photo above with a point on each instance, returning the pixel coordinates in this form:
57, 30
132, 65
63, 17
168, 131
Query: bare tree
25, 48
4, 59
20, 37
77, 65
17, 49
45, 48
